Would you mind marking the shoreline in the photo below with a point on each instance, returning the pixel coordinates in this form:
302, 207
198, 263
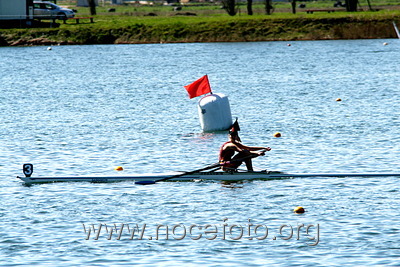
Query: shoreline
245, 30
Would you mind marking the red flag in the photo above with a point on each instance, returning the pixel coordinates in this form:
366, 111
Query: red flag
199, 87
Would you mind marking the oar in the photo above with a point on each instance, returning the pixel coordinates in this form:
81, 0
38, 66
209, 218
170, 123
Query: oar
179, 175
191, 172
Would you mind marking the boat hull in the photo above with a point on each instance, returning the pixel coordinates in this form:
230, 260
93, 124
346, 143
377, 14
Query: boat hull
216, 176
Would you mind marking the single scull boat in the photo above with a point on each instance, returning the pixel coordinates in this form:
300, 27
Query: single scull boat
202, 175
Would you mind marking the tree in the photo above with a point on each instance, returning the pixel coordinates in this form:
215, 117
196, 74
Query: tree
92, 6
268, 7
351, 5
250, 7
294, 6
230, 7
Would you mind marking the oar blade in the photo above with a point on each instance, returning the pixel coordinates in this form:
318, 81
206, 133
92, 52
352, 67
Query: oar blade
145, 182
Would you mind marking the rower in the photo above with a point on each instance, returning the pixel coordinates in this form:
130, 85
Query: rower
233, 153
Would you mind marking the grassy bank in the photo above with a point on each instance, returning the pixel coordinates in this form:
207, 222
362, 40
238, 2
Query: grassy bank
206, 24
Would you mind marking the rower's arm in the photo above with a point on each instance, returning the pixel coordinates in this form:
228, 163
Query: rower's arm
253, 148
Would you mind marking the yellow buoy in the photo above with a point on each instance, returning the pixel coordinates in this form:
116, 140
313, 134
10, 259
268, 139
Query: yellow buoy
119, 168
299, 210
278, 134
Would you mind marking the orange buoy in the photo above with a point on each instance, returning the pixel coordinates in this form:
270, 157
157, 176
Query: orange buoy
299, 210
119, 168
278, 134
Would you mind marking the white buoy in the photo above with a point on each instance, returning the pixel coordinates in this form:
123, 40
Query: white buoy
214, 113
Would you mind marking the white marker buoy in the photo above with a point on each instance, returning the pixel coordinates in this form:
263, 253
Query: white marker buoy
214, 113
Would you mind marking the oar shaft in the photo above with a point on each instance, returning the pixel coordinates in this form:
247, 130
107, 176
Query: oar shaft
179, 175
190, 172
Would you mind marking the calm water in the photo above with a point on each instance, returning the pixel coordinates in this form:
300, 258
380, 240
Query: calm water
87, 109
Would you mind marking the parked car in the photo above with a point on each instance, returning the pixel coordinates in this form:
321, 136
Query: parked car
47, 10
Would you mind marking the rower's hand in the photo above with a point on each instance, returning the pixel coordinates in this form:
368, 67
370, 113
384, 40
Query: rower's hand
262, 152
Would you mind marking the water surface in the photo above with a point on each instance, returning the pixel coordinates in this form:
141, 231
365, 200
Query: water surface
87, 109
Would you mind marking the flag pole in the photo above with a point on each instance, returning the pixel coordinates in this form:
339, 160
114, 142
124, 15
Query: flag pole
209, 85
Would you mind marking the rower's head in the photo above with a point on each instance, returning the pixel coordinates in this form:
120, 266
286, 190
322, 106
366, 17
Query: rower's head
234, 132
234, 136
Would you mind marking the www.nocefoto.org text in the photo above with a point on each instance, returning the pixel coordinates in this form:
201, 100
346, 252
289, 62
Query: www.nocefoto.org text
224, 231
